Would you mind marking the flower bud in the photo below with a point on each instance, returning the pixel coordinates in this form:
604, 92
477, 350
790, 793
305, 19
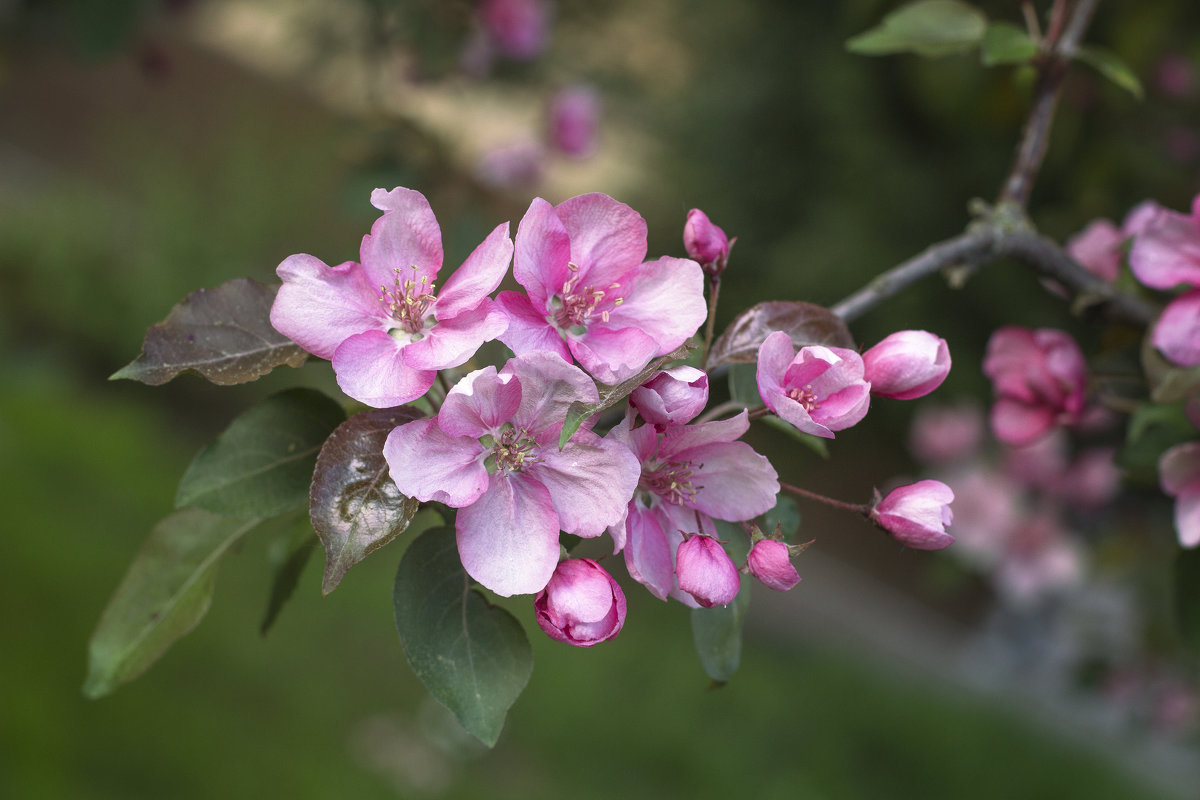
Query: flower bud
581, 605
706, 572
917, 515
519, 29
672, 397
770, 561
705, 242
907, 365
574, 120
819, 390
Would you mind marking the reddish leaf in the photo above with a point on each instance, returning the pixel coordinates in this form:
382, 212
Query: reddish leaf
354, 505
225, 334
806, 323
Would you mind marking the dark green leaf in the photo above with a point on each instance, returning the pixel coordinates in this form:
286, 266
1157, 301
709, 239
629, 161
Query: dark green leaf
1187, 598
1112, 67
1005, 43
1168, 381
262, 464
472, 656
805, 323
164, 594
355, 506
717, 633
578, 412
225, 334
287, 557
1153, 428
785, 515
926, 27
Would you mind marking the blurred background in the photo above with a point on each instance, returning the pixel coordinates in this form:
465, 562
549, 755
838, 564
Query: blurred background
148, 149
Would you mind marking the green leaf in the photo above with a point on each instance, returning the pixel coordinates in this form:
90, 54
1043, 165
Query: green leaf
472, 656
1153, 428
927, 27
1168, 381
287, 556
1112, 67
166, 591
355, 506
1005, 43
262, 464
578, 412
717, 634
785, 515
1187, 598
225, 334
805, 323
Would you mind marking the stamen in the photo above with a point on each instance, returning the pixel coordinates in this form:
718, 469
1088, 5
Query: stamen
671, 482
408, 301
806, 397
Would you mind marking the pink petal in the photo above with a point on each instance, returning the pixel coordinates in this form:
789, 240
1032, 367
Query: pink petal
613, 355
452, 342
508, 539
1187, 519
528, 329
649, 551
406, 236
608, 238
1167, 251
1179, 469
1017, 423
548, 387
319, 307
770, 561
683, 442
370, 368
478, 276
664, 299
1098, 249
591, 482
479, 403
432, 466
706, 572
775, 354
843, 409
1177, 332
543, 250
732, 481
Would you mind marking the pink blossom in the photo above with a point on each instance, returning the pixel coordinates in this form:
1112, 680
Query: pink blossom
706, 572
519, 29
517, 165
492, 452
575, 120
942, 433
1175, 76
1179, 475
705, 242
1167, 251
380, 322
1098, 249
690, 474
1091, 481
819, 390
591, 296
672, 397
581, 605
917, 515
1039, 559
770, 561
1038, 378
1139, 217
1177, 331
907, 365
986, 507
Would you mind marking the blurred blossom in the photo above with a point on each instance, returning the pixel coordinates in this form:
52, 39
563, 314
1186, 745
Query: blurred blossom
1139, 216
1097, 248
907, 365
985, 515
1038, 465
513, 166
1175, 76
942, 433
518, 29
1177, 331
1177, 706
1040, 559
1092, 481
1179, 475
1038, 377
575, 121
1166, 252
1181, 144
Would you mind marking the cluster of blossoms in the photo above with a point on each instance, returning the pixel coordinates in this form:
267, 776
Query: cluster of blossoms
593, 310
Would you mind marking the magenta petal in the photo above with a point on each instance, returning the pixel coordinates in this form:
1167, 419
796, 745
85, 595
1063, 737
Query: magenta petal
706, 572
733, 482
1017, 423
608, 238
649, 552
478, 276
790, 411
771, 562
370, 368
479, 403
508, 539
611, 355
774, 356
542, 253
319, 307
591, 481
406, 236
452, 342
430, 465
663, 298
528, 329
1177, 332
1167, 251
844, 409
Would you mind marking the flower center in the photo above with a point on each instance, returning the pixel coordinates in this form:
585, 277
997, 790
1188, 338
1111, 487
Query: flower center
408, 300
574, 307
806, 397
672, 481
512, 451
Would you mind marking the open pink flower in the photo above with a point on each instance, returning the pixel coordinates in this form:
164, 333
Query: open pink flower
819, 390
492, 452
690, 474
1038, 378
907, 365
1179, 473
1167, 251
591, 296
380, 321
581, 605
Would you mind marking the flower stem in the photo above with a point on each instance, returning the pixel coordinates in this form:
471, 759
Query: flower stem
829, 501
714, 289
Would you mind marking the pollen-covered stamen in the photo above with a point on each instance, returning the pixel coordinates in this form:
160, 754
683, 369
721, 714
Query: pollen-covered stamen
513, 451
805, 397
576, 307
408, 300
671, 482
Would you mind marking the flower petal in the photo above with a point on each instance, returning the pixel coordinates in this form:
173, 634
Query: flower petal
732, 481
612, 355
664, 299
1177, 332
1017, 423
508, 539
591, 482
478, 276
406, 236
608, 238
432, 466
479, 403
528, 329
1187, 519
1167, 251
370, 368
649, 551
319, 307
548, 387
543, 250
452, 342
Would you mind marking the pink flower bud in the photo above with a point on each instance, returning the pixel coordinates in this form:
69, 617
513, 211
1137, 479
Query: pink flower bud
706, 572
574, 121
819, 390
1097, 248
672, 397
705, 242
1179, 475
518, 28
917, 515
1038, 378
581, 605
907, 365
770, 561
1177, 332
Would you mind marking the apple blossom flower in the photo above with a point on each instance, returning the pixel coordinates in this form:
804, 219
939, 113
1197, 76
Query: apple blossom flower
380, 321
771, 562
672, 397
917, 515
591, 296
518, 29
690, 474
705, 242
706, 571
942, 433
1179, 475
492, 452
1038, 378
581, 605
819, 390
574, 120
1167, 251
907, 365
1177, 331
